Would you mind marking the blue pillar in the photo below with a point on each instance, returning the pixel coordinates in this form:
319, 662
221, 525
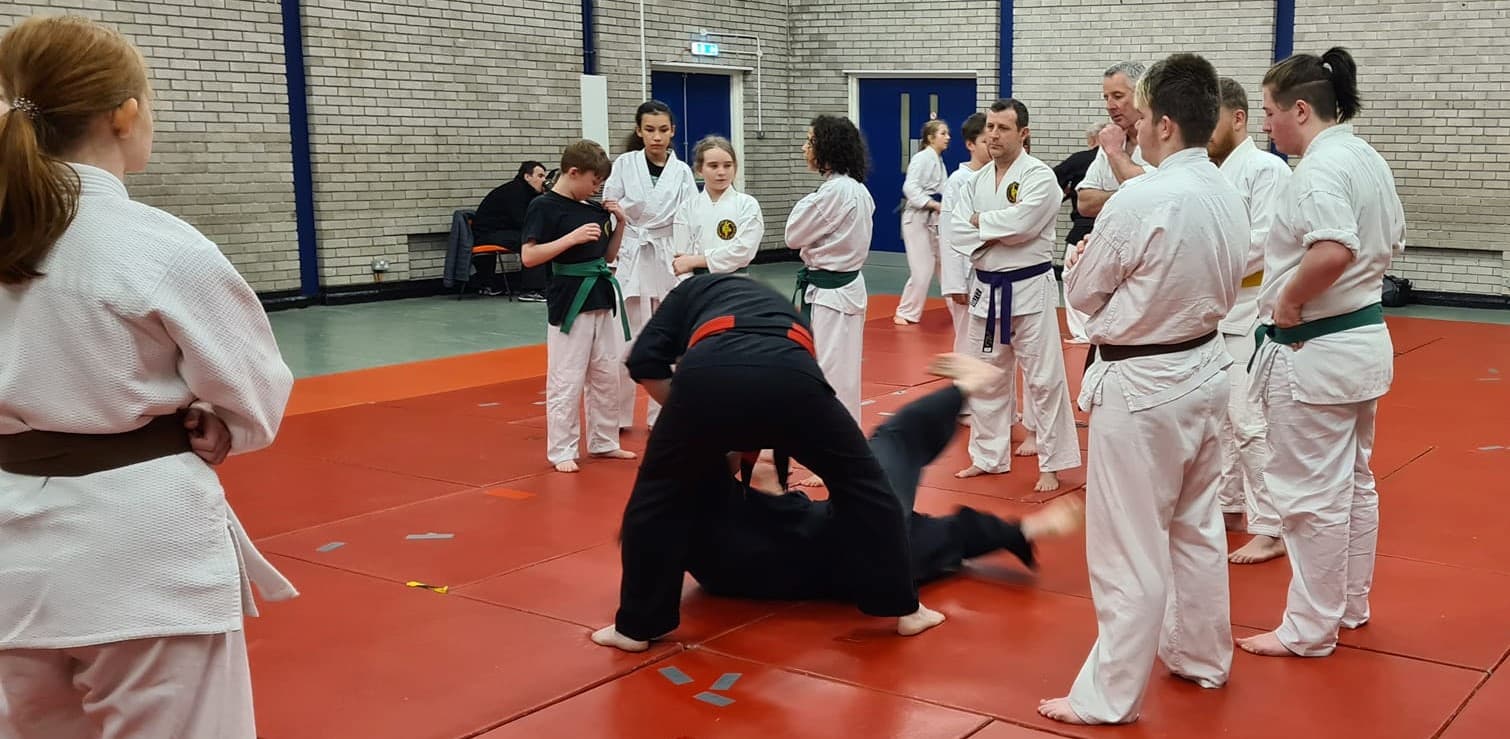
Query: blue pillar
589, 41
1284, 43
298, 129
1004, 48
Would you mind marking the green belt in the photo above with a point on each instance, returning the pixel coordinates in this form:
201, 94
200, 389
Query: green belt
821, 279
590, 273
1367, 316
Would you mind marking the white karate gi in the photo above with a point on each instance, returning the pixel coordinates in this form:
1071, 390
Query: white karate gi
1320, 399
920, 229
1260, 177
1099, 176
1162, 267
138, 315
582, 371
832, 228
657, 232
1016, 231
956, 276
727, 232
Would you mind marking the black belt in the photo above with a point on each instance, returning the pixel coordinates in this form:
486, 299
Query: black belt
1117, 353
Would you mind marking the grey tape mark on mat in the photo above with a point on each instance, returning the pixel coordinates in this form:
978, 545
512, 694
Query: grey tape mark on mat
677, 677
727, 681
331, 547
432, 535
714, 698
488, 405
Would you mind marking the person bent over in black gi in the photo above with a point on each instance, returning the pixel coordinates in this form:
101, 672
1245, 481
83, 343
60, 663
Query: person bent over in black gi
752, 540
747, 379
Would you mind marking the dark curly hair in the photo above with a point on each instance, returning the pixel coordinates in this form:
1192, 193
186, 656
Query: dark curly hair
838, 148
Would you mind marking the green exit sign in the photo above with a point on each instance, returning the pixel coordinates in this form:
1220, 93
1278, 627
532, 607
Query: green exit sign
704, 48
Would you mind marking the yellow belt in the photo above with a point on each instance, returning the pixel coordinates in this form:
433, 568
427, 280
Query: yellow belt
1254, 280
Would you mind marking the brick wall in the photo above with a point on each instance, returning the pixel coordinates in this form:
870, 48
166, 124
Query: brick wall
1432, 78
221, 155
1060, 52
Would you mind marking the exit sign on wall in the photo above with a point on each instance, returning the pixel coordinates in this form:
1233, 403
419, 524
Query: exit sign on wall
703, 48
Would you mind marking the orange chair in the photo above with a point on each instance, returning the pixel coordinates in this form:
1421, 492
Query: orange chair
508, 291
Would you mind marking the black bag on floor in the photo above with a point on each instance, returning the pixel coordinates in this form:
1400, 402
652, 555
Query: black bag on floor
1396, 291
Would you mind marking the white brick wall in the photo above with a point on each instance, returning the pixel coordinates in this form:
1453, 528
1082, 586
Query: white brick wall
1432, 79
420, 108
221, 155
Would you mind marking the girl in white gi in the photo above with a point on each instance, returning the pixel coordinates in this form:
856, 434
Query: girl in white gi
1326, 356
1004, 219
920, 219
1260, 177
1160, 272
831, 229
651, 186
724, 224
132, 357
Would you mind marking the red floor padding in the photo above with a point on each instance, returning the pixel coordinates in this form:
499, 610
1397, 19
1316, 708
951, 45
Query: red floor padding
532, 565
762, 702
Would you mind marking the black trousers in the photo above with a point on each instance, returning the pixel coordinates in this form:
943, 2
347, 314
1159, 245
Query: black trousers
908, 442
713, 410
529, 279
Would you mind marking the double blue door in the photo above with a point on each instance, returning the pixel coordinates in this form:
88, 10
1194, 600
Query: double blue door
701, 104
892, 114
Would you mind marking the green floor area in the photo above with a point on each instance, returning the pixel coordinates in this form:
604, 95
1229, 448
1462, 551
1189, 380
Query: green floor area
325, 339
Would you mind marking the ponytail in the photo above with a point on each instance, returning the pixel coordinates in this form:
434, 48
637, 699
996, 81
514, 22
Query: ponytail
58, 74
1344, 74
1328, 83
38, 199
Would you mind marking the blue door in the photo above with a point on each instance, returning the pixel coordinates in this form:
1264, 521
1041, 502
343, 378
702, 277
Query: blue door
892, 114
701, 104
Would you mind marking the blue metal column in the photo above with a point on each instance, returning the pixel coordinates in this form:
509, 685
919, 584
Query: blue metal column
298, 129
589, 43
1284, 43
1004, 49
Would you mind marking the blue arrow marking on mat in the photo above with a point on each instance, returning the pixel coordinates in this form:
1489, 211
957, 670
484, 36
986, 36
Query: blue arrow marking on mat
677, 677
726, 682
714, 699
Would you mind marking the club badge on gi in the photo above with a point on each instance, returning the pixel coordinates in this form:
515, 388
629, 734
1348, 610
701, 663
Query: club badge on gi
727, 229
1012, 191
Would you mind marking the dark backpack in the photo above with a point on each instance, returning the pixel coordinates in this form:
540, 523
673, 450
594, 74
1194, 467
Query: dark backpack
1396, 291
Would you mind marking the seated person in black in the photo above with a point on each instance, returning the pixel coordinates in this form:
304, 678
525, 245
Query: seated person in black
747, 379
574, 237
752, 540
500, 221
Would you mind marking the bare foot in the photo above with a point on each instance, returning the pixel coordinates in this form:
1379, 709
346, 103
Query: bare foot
1060, 518
811, 482
1028, 447
1047, 482
900, 321
569, 465
971, 375
1258, 549
969, 472
616, 454
1060, 710
609, 636
1235, 522
916, 623
1265, 645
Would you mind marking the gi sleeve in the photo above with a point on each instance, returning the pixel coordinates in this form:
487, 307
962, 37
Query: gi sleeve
1023, 222
738, 252
228, 356
1110, 257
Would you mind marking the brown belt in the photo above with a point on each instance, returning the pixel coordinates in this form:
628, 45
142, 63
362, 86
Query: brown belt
1117, 353
55, 454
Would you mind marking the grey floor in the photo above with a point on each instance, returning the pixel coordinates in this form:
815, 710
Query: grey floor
325, 339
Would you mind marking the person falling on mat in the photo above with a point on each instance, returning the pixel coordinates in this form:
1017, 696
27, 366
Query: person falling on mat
746, 379
753, 540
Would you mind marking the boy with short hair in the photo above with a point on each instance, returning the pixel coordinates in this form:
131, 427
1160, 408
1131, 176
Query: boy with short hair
584, 343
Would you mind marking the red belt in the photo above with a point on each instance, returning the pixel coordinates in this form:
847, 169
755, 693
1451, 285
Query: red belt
770, 327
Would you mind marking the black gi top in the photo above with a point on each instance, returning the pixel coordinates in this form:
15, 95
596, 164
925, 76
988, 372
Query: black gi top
703, 298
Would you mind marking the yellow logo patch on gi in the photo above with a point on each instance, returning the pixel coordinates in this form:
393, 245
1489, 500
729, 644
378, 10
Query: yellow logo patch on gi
1012, 190
727, 229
